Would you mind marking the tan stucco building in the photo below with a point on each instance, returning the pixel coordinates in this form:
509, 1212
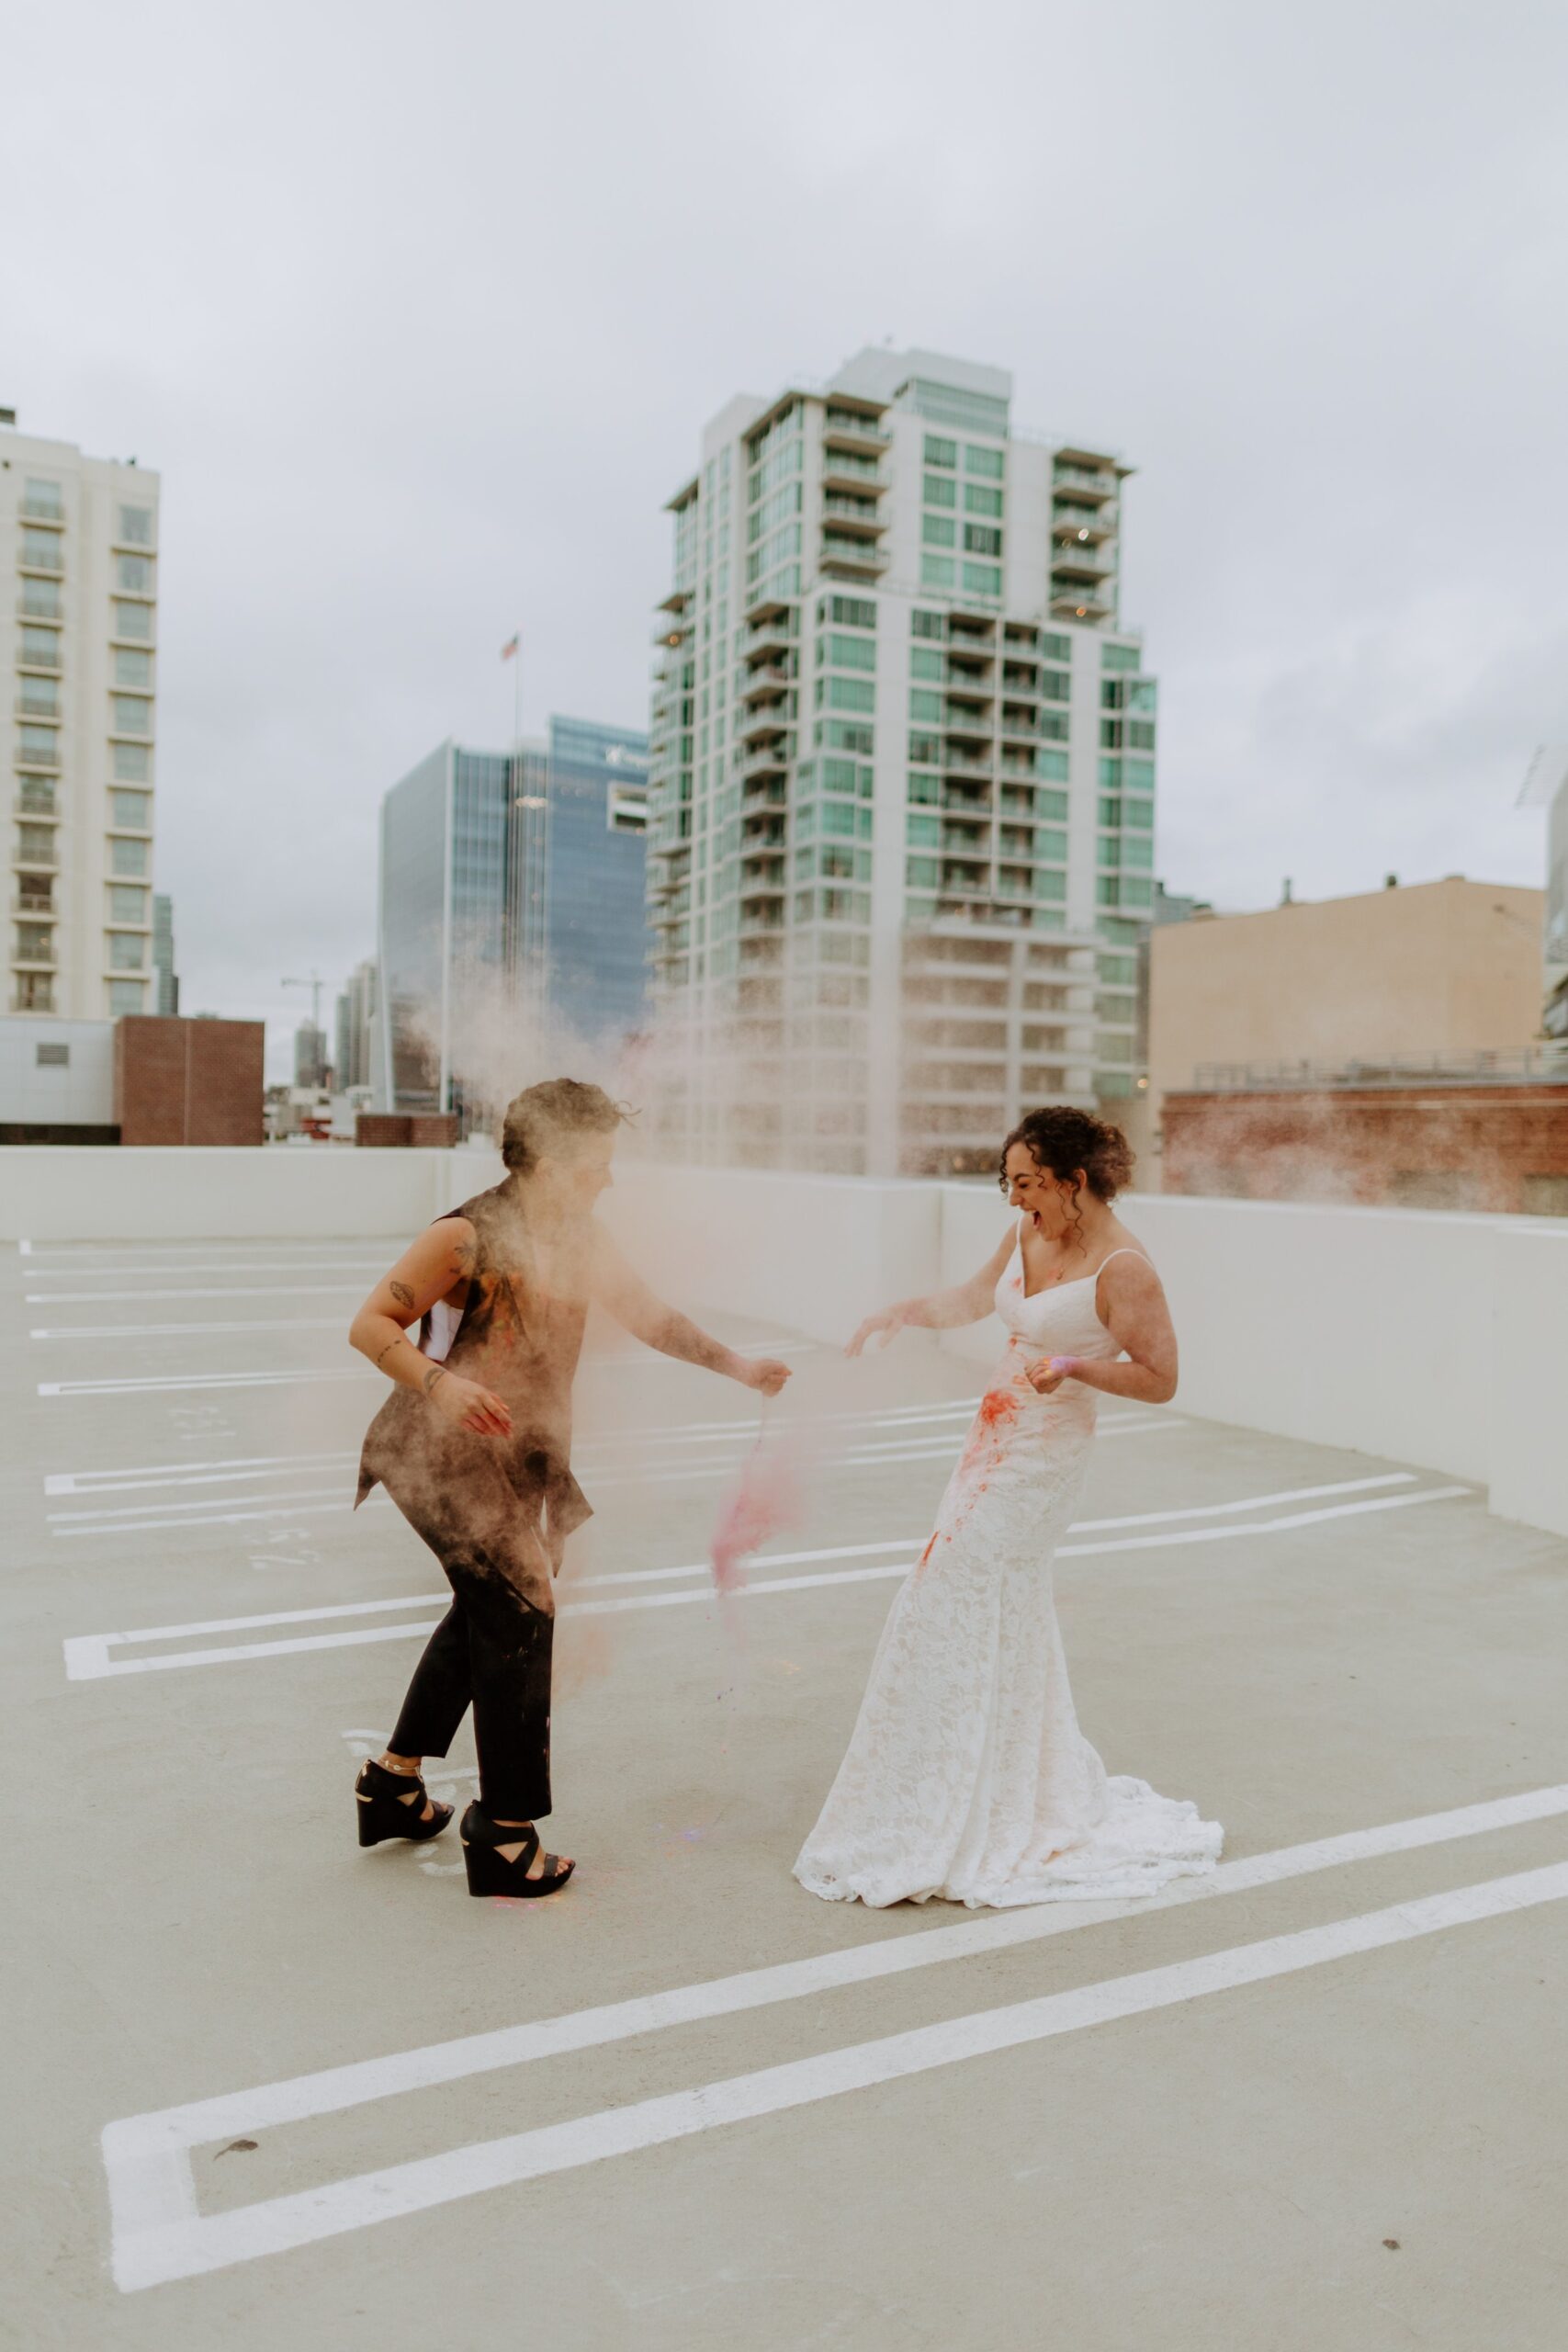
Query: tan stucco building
1447, 969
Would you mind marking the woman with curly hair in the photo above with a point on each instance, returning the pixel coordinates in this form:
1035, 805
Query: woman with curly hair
967, 1777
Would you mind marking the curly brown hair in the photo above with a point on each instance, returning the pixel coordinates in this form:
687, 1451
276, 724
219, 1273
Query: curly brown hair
543, 1117
1065, 1139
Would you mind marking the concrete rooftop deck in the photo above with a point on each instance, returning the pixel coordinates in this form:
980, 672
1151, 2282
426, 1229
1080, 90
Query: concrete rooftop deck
201, 1641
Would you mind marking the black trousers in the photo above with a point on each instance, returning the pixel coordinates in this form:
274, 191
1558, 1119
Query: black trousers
491, 1651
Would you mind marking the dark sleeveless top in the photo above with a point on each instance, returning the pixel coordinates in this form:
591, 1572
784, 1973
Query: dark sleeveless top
512, 1336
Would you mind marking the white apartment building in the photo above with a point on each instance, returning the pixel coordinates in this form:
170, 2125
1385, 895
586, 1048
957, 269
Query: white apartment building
78, 542
901, 808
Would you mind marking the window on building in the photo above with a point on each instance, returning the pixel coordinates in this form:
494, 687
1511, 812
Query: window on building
927, 624
51, 1057
43, 499
126, 996
131, 620
130, 762
939, 531
1138, 849
843, 735
40, 698
1110, 695
132, 668
1051, 804
982, 580
41, 551
852, 612
133, 574
848, 652
39, 648
1052, 764
924, 788
1138, 813
40, 601
981, 538
127, 951
35, 844
1139, 775
128, 859
846, 694
920, 873
1140, 734
1050, 843
1121, 657
38, 744
132, 716
924, 832
940, 452
938, 571
1111, 734
136, 527
1057, 685
940, 490
1143, 694
925, 707
927, 661
35, 796
978, 499
1049, 883
34, 942
987, 463
1119, 971
1055, 646
127, 903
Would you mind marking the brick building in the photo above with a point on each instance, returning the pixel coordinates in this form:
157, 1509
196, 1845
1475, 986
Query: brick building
1450, 1142
188, 1082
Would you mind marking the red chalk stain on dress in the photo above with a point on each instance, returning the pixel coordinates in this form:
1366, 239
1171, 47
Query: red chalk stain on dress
996, 1406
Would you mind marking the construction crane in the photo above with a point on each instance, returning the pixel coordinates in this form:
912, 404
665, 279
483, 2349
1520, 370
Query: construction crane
315, 984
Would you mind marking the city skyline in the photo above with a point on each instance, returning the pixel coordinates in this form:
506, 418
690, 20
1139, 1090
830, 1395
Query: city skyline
1312, 304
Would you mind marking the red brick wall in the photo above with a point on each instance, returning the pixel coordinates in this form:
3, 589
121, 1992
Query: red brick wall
395, 1130
1499, 1148
188, 1082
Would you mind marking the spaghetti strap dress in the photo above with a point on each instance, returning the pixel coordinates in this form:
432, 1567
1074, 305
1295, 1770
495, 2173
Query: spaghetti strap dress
967, 1777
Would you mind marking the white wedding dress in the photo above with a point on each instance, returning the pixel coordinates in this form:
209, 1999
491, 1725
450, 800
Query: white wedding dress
966, 1776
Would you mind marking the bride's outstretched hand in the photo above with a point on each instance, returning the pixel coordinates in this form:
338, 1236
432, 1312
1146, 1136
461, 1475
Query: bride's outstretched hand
891, 1319
766, 1373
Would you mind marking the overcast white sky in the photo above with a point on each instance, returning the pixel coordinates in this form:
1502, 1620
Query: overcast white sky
419, 311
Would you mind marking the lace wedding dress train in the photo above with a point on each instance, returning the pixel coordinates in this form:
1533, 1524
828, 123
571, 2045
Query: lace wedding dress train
966, 1775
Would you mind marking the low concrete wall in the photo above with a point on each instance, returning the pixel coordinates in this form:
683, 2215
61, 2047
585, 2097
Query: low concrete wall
1438, 1339
96, 1193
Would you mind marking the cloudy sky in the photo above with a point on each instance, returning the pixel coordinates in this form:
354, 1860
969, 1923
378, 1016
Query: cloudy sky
419, 311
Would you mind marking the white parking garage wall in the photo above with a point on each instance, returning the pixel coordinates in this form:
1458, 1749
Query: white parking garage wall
1435, 1340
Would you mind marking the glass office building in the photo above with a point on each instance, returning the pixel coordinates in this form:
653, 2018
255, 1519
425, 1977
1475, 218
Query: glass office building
511, 911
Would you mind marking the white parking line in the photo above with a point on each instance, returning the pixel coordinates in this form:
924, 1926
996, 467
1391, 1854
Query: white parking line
244, 1511
190, 1330
139, 1297
154, 1384
159, 2235
88, 1659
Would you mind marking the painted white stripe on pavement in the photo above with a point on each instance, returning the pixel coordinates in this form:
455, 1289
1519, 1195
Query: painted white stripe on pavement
191, 1331
131, 1519
139, 1297
158, 2235
88, 1659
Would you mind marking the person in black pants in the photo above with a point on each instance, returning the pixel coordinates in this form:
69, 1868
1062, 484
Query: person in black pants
474, 1446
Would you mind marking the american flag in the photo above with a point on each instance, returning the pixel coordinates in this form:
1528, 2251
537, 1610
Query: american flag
509, 649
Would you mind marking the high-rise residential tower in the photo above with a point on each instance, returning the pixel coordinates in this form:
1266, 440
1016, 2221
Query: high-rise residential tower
79, 542
901, 799
511, 905
166, 979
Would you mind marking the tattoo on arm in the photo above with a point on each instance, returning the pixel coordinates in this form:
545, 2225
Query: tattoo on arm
387, 1352
465, 1255
438, 1372
401, 1293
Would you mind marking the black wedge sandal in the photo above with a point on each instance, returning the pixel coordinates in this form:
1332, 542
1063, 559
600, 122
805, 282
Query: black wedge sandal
490, 1873
379, 1801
